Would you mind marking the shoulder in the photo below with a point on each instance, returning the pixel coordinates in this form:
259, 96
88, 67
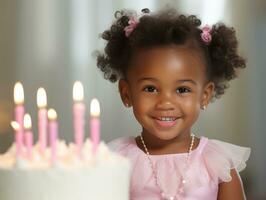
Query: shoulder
121, 144
221, 157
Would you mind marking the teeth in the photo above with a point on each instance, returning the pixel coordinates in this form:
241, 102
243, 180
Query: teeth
167, 118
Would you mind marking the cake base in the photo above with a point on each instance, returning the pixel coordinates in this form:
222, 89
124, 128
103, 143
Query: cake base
95, 183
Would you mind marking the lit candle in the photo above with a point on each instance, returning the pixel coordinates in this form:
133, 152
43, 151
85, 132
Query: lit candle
42, 118
95, 124
19, 114
53, 133
15, 125
78, 112
28, 135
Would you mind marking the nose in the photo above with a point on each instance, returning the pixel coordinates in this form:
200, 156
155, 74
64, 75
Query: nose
165, 102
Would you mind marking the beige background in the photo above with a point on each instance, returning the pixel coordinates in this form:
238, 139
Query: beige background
48, 43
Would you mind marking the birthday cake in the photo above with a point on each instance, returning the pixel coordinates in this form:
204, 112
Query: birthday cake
100, 176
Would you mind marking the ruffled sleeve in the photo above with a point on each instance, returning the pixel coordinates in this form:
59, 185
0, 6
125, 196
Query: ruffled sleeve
120, 145
220, 157
140, 166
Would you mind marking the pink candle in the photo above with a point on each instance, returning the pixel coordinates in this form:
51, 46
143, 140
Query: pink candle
42, 119
53, 133
28, 135
19, 114
78, 115
95, 124
16, 128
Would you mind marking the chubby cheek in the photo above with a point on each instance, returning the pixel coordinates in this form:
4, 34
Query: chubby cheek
139, 114
191, 109
141, 107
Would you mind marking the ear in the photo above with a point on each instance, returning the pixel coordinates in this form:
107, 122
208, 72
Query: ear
124, 92
207, 94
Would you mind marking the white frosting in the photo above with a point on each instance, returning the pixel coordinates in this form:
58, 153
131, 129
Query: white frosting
105, 175
67, 157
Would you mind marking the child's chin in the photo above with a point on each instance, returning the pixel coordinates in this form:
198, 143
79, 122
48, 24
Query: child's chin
166, 135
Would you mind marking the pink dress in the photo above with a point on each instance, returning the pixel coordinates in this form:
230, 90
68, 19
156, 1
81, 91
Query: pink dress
210, 164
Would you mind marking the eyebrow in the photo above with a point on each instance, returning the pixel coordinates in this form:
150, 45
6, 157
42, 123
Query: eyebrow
154, 79
147, 79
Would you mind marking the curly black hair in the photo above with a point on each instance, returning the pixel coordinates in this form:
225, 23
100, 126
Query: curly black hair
167, 27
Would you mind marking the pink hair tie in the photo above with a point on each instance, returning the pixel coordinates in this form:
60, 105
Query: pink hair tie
132, 24
206, 34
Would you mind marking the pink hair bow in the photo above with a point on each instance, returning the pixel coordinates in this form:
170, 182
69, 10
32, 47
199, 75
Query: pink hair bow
132, 24
206, 34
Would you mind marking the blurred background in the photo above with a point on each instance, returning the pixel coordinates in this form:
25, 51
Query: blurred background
49, 43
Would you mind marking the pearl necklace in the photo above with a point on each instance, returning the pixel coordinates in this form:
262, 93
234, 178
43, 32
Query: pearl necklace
183, 180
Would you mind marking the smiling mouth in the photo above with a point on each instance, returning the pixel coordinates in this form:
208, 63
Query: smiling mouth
165, 122
166, 119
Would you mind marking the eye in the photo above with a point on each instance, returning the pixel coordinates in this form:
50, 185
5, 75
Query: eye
150, 88
182, 90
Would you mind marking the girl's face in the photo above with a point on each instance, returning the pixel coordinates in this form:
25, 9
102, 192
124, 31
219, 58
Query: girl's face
166, 86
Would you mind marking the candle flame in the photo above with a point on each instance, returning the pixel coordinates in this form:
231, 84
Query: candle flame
27, 121
52, 114
41, 98
18, 93
15, 125
78, 91
95, 108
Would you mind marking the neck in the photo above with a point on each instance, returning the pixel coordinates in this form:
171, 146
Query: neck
155, 145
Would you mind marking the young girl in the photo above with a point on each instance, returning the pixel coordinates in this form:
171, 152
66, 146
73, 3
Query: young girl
169, 68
